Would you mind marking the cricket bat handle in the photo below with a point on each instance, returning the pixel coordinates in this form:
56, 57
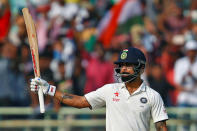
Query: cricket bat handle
41, 100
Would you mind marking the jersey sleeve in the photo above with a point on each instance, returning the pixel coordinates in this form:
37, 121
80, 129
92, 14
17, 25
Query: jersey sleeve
158, 110
96, 98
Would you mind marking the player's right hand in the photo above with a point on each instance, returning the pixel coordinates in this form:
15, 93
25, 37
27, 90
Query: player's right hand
38, 83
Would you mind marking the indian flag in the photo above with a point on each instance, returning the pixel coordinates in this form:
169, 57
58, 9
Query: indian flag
125, 50
119, 14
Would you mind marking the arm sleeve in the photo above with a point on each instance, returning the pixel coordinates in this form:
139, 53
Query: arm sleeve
158, 110
96, 98
177, 76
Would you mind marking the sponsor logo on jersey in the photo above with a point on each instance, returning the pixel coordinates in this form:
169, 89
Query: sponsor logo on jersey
116, 99
116, 94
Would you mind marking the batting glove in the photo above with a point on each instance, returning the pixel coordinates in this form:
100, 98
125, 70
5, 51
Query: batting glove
47, 89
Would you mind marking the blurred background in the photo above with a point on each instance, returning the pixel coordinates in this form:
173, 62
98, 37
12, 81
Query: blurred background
78, 42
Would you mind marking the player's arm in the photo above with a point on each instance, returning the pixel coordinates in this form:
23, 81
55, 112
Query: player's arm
161, 126
68, 99
72, 100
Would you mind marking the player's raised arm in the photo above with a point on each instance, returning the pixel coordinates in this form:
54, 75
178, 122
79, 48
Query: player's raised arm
72, 100
68, 99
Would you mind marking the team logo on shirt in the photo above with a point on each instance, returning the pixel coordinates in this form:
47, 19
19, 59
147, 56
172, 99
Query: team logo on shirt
115, 98
143, 100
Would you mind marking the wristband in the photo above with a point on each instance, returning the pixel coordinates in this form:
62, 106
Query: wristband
51, 90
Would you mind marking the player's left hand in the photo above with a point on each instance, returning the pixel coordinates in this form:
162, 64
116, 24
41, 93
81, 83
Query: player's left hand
38, 83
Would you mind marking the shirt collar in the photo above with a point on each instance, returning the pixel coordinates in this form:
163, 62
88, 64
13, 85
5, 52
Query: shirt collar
123, 85
142, 88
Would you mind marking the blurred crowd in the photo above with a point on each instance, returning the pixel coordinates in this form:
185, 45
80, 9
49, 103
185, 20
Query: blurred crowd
77, 57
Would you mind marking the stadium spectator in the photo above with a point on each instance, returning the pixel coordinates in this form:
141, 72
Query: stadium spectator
5, 17
18, 34
79, 77
185, 76
99, 71
158, 82
13, 81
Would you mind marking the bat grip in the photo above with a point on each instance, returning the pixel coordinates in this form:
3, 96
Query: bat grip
41, 100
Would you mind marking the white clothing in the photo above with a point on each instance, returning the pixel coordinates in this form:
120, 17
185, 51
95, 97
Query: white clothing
128, 112
181, 77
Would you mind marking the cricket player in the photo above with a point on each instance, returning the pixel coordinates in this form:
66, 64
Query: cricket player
129, 105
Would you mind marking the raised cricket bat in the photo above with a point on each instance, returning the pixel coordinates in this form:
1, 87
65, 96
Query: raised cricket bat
33, 42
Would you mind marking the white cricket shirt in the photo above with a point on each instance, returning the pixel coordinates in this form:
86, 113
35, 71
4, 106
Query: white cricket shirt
125, 112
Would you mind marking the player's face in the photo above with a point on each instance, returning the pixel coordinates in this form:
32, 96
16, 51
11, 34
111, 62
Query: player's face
126, 68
